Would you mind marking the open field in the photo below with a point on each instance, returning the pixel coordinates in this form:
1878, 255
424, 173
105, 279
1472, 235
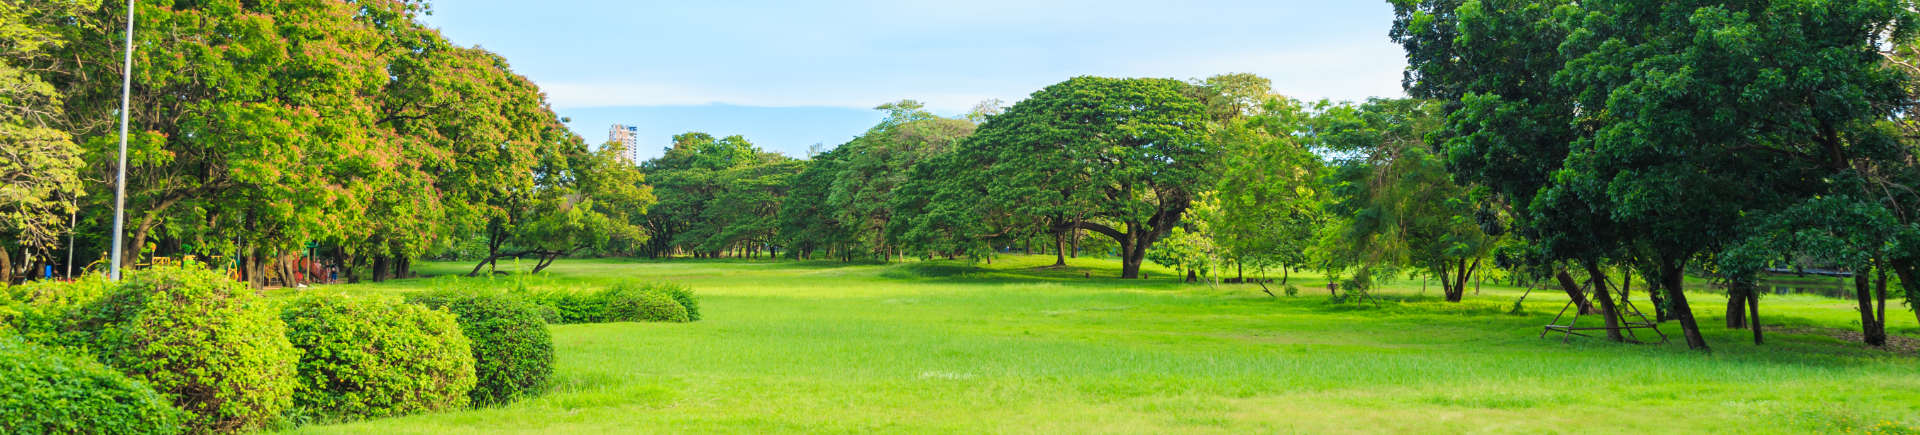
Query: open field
945, 347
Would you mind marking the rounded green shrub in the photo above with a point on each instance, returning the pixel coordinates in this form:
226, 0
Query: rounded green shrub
376, 357
682, 295
206, 342
638, 304
512, 348
43, 390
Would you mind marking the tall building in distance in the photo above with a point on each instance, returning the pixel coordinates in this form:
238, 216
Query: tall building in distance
630, 137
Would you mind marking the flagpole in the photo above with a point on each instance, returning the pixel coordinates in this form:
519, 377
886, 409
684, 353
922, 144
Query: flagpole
120, 181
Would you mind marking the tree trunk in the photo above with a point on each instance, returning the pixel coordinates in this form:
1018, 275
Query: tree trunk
1673, 274
1626, 283
1864, 297
130, 254
1460, 281
1478, 278
290, 271
1881, 312
256, 271
1659, 301
1136, 252
546, 259
1607, 310
1060, 249
483, 263
1075, 253
380, 268
1753, 313
1572, 288
6, 267
1736, 305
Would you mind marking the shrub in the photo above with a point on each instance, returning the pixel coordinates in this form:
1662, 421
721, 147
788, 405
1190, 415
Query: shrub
627, 303
41, 311
512, 348
573, 307
203, 340
682, 295
1292, 291
375, 357
43, 390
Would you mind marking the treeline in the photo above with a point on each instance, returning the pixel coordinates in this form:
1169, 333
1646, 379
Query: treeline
1120, 158
262, 132
1575, 144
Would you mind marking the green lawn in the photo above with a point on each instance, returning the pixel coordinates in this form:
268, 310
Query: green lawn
946, 347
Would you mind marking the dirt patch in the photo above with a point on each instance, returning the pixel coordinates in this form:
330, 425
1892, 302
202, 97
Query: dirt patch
1895, 342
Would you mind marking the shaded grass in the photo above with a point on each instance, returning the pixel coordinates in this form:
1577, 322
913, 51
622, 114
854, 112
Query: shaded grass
951, 347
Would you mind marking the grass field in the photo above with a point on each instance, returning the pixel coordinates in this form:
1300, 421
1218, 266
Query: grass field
945, 347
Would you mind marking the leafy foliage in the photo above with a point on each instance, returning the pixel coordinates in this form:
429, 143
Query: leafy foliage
1084, 153
512, 347
206, 342
45, 390
39, 163
370, 357
633, 303
717, 196
42, 311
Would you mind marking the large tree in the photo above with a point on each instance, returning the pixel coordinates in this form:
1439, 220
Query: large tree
241, 133
39, 163
1268, 193
1399, 206
1118, 157
716, 195
806, 223
877, 163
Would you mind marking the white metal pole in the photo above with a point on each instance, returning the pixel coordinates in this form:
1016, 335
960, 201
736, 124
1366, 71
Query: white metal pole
73, 227
120, 181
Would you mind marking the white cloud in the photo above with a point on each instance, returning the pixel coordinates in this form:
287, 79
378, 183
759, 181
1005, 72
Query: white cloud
578, 95
1343, 72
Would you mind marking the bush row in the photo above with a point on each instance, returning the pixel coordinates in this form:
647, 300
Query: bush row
184, 349
625, 302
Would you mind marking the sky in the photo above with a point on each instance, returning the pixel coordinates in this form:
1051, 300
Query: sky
790, 74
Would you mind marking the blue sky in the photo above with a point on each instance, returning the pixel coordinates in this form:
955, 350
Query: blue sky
791, 74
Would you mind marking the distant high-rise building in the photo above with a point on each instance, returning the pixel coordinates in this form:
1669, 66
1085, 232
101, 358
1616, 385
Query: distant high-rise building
628, 136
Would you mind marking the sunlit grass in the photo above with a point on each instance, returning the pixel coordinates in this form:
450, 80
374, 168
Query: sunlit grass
953, 347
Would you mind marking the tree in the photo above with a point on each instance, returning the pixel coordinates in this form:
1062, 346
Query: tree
1704, 131
807, 224
744, 213
715, 195
584, 200
1400, 205
238, 133
1268, 191
1508, 127
1118, 157
877, 163
39, 164
1640, 128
